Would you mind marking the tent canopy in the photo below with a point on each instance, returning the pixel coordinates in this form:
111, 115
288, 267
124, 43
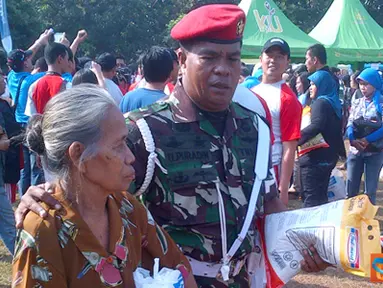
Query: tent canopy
264, 21
349, 33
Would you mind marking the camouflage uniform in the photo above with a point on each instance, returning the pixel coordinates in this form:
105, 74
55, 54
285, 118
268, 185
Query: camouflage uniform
183, 196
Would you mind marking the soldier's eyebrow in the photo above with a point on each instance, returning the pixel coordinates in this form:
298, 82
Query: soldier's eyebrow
208, 52
235, 54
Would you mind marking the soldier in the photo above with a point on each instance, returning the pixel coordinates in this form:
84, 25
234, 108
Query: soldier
196, 153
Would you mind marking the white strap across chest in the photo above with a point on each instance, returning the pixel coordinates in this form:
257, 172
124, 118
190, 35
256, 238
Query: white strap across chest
261, 169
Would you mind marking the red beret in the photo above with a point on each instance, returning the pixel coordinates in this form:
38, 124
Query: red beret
219, 23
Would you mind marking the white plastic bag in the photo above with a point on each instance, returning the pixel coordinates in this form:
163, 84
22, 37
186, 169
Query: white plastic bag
166, 278
336, 186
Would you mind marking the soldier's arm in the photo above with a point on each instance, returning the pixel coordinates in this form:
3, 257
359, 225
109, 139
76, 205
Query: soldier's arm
137, 146
272, 203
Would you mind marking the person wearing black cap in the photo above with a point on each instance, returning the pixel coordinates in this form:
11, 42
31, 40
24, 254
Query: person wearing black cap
286, 111
20, 78
196, 153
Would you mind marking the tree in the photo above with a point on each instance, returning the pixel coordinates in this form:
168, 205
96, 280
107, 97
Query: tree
129, 27
24, 22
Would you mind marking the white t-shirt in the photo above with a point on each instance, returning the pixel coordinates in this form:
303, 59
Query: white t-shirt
246, 98
114, 91
286, 114
30, 108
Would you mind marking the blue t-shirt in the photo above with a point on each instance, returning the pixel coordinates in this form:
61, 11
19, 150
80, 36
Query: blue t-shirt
13, 83
139, 98
250, 82
67, 77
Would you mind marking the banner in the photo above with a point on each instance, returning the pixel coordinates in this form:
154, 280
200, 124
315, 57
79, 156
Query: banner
4, 27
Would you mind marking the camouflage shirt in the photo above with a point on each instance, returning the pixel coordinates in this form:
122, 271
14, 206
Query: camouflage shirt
183, 196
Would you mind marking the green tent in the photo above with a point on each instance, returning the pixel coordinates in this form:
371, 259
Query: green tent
349, 33
264, 21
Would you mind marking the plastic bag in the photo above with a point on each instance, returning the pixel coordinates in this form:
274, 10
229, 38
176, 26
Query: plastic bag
314, 143
343, 232
336, 186
166, 278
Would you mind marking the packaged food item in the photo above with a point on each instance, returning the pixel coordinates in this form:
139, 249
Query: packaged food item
314, 143
343, 232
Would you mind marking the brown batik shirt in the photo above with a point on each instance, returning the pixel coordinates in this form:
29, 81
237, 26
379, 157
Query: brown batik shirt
61, 251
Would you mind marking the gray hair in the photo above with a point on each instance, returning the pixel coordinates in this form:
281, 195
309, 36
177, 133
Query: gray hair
73, 115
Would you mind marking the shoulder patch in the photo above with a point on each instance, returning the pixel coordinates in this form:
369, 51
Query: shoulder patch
147, 111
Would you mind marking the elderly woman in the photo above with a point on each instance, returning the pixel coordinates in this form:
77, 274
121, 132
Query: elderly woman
326, 112
366, 154
101, 235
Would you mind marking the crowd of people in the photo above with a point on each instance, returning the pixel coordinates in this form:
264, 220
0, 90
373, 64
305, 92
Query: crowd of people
185, 130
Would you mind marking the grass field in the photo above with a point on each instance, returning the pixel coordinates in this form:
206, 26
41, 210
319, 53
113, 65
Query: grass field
331, 278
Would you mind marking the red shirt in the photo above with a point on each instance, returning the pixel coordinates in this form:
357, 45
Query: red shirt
47, 87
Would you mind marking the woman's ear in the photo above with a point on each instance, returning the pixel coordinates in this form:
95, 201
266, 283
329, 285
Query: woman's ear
76, 149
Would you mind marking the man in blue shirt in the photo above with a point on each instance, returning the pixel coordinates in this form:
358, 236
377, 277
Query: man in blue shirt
157, 66
20, 63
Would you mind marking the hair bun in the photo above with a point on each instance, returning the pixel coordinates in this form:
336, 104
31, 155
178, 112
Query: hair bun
34, 134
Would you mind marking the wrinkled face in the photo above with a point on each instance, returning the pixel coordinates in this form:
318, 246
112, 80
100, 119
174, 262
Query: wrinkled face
210, 74
299, 86
310, 62
274, 63
313, 90
367, 89
111, 168
120, 63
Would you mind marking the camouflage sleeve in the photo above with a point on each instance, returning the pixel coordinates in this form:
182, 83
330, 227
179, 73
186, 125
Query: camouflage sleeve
270, 188
137, 146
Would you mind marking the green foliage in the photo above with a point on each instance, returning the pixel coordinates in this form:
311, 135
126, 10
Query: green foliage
131, 26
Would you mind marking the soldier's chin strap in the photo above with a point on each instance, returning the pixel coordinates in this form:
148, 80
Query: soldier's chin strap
261, 169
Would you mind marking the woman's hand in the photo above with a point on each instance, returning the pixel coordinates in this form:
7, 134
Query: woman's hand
365, 142
359, 144
312, 261
30, 202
